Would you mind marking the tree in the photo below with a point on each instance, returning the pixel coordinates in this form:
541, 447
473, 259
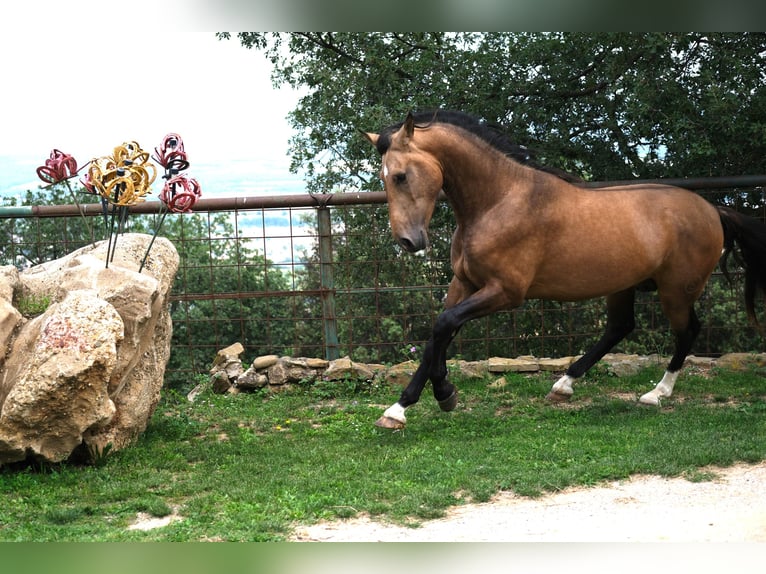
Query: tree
602, 105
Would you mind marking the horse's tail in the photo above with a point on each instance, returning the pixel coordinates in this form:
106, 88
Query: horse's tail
745, 238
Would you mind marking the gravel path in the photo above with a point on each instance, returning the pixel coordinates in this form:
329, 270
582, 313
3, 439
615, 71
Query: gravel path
730, 508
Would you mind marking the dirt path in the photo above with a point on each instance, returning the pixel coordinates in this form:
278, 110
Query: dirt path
730, 508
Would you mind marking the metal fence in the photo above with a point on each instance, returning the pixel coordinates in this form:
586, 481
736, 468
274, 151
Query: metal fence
284, 275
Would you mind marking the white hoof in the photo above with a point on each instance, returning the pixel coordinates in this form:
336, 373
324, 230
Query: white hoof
563, 387
663, 389
396, 412
651, 398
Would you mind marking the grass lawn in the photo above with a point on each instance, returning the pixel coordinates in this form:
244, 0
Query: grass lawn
249, 467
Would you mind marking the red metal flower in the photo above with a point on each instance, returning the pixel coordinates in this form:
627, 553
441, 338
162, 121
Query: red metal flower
57, 168
88, 184
170, 154
180, 193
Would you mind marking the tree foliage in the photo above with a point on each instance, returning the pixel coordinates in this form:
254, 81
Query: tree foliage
21, 237
605, 106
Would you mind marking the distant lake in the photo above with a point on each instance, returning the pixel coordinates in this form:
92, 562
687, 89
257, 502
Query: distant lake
229, 178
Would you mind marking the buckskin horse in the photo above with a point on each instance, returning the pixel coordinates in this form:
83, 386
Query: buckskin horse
524, 232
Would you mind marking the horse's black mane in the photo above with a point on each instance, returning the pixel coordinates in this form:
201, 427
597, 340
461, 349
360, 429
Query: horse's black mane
491, 134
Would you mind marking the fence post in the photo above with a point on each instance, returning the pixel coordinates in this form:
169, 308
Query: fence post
327, 285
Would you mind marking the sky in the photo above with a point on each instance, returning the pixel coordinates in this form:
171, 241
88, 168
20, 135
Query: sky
85, 93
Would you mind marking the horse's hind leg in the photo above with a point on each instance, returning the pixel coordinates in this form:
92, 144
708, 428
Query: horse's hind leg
445, 392
685, 335
619, 323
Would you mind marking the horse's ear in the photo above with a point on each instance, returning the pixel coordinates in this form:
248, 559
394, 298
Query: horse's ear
372, 138
409, 125
404, 135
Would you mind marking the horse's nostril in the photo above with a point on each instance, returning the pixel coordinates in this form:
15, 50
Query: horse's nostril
407, 245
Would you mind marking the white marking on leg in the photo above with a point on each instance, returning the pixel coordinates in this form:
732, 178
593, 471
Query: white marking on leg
396, 412
385, 170
564, 386
663, 389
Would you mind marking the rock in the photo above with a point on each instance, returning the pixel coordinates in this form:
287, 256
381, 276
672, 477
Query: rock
229, 354
192, 395
252, 379
9, 280
58, 374
220, 382
319, 364
469, 369
9, 316
626, 365
524, 364
286, 371
87, 372
701, 362
226, 369
299, 362
345, 368
231, 368
555, 365
741, 361
401, 373
265, 361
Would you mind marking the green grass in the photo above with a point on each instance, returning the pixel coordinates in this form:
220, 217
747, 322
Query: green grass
249, 467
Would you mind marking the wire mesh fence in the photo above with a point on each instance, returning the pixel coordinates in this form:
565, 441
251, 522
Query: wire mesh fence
320, 276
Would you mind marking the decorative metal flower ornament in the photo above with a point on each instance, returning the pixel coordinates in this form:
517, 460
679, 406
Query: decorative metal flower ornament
180, 192
60, 167
121, 179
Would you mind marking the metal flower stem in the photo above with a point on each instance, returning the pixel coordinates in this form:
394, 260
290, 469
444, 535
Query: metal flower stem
82, 213
163, 212
122, 221
111, 232
111, 247
105, 213
122, 218
169, 173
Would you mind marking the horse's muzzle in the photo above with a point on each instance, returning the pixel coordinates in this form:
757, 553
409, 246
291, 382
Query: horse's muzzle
413, 243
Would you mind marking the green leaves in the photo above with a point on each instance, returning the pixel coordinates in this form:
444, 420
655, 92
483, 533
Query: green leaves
603, 105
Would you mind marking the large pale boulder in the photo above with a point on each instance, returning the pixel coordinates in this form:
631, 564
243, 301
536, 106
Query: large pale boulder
85, 375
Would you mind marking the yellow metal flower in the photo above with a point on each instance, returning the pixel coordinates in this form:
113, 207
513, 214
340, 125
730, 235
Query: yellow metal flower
124, 178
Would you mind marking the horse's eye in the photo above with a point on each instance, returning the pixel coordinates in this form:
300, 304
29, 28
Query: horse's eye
400, 178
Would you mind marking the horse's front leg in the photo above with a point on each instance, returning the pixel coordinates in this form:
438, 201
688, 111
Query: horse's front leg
434, 365
445, 392
394, 417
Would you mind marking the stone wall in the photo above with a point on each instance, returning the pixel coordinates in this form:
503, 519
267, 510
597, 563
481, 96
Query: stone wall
275, 373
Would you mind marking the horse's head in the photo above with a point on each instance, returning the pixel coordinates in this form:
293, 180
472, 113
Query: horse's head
412, 179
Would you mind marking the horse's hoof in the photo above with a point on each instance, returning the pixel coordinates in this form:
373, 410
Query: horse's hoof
649, 401
389, 423
449, 403
557, 397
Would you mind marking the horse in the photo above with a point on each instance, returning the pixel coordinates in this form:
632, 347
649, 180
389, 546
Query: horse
525, 232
